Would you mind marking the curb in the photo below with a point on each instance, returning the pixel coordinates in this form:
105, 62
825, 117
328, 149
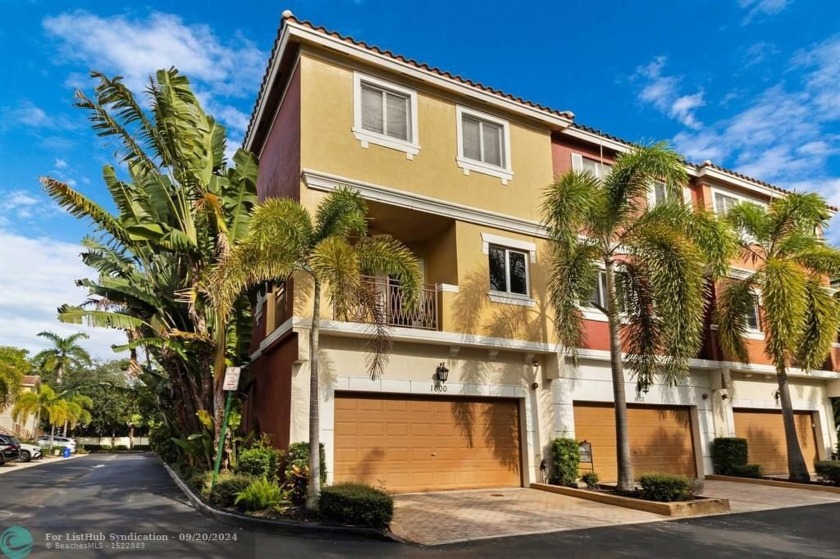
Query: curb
777, 483
276, 526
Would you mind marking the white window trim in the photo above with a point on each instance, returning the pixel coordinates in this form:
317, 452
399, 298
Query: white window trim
728, 193
505, 173
367, 137
577, 164
488, 239
651, 195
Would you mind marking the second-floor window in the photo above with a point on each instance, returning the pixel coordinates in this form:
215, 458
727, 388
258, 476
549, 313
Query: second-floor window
753, 318
483, 144
659, 193
599, 294
385, 114
724, 203
508, 270
581, 164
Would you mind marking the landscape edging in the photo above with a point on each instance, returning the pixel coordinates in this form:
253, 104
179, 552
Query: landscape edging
282, 526
676, 508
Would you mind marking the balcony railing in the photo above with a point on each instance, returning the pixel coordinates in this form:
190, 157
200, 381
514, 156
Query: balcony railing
390, 299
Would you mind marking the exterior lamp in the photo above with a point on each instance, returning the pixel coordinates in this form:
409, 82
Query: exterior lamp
442, 373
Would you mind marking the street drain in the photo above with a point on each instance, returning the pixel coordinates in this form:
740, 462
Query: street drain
496, 494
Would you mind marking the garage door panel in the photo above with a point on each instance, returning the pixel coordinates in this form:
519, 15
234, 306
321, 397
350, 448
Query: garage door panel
765, 434
661, 438
409, 443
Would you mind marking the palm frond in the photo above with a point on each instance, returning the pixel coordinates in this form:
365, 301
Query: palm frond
568, 205
336, 265
785, 297
342, 213
384, 255
822, 322
735, 300
100, 319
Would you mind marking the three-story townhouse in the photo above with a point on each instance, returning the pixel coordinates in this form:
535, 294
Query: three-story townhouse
456, 171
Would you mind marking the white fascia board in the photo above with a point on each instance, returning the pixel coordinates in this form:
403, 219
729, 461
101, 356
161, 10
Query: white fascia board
604, 355
433, 337
326, 182
713, 173
388, 63
608, 143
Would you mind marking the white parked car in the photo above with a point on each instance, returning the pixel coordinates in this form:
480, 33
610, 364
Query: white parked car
29, 452
58, 442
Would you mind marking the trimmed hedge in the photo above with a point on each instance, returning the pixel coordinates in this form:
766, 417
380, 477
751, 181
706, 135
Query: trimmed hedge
667, 487
357, 504
747, 470
728, 454
828, 471
260, 461
590, 479
228, 488
565, 461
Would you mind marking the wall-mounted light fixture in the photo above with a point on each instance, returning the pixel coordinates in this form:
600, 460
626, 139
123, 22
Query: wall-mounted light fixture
441, 373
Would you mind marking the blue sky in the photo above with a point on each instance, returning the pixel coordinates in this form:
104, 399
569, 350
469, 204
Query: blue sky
750, 84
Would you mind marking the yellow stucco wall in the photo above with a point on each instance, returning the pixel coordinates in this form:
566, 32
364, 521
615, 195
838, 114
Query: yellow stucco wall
328, 145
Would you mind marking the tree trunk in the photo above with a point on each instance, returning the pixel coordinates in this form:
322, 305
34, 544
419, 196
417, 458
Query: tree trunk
64, 431
622, 437
797, 469
52, 436
314, 488
131, 437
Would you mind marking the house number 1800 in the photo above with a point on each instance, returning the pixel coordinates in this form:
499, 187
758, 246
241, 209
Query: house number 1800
438, 388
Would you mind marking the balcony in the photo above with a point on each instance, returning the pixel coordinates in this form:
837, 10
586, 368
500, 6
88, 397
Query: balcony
390, 299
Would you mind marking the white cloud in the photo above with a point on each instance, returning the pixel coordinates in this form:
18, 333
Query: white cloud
19, 206
759, 52
135, 48
663, 92
60, 164
762, 7
36, 277
29, 114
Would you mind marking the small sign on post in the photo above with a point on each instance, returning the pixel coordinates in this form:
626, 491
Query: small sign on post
231, 378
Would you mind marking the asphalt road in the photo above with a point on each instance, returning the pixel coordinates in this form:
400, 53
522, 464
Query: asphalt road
125, 499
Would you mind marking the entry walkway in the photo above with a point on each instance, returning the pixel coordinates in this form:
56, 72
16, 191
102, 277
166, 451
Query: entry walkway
455, 516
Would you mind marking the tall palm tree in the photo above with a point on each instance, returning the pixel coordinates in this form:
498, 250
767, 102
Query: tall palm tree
800, 316
655, 262
180, 206
65, 354
334, 251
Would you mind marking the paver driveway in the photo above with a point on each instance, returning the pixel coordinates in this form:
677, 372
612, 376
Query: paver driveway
748, 497
452, 516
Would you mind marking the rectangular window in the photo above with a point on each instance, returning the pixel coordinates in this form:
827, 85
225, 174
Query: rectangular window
754, 317
600, 170
659, 193
385, 112
508, 270
599, 294
483, 144
483, 141
724, 203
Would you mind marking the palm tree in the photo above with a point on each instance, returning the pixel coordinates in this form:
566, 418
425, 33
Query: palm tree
65, 354
179, 209
334, 251
655, 261
800, 316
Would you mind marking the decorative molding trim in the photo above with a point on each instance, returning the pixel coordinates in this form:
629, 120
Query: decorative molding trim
488, 239
278, 333
511, 299
447, 288
317, 180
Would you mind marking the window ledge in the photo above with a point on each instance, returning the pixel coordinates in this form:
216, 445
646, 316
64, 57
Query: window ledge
471, 165
593, 314
754, 335
511, 299
367, 137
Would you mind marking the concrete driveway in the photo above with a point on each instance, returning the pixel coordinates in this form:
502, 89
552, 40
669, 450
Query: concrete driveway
747, 497
456, 516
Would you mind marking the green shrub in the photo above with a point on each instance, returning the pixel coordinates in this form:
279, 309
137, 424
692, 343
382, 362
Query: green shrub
828, 471
121, 447
160, 440
728, 453
565, 461
297, 482
260, 461
590, 479
356, 503
260, 494
227, 488
667, 487
747, 470
298, 455
105, 447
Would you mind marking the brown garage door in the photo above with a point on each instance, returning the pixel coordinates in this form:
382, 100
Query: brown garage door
661, 438
423, 444
765, 434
